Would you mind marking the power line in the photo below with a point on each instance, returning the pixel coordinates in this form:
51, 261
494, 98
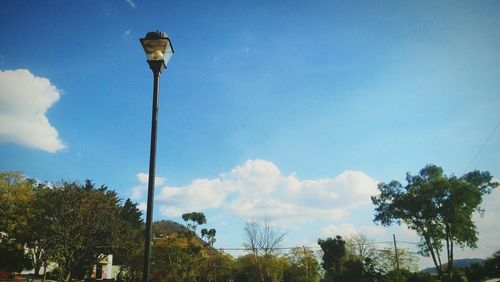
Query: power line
311, 247
482, 147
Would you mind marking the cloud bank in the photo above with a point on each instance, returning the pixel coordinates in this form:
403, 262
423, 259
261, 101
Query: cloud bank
24, 101
257, 188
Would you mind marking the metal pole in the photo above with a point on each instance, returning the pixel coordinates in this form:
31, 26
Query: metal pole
151, 181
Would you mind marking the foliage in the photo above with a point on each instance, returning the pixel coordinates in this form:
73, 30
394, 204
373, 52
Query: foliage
68, 223
19, 217
181, 255
262, 240
302, 266
355, 259
83, 221
386, 260
438, 207
481, 271
163, 228
334, 251
219, 267
208, 235
492, 265
421, 277
12, 256
16, 198
268, 268
475, 272
193, 219
128, 243
173, 258
360, 247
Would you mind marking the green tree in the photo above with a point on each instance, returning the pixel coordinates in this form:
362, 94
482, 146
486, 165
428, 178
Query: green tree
218, 267
302, 266
438, 207
179, 254
272, 267
163, 228
475, 272
193, 219
262, 240
334, 252
492, 265
490, 268
20, 217
12, 256
361, 252
386, 261
360, 247
421, 277
128, 243
16, 201
38, 235
83, 221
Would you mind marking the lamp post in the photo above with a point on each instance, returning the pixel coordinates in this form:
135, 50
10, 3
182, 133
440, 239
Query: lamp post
158, 49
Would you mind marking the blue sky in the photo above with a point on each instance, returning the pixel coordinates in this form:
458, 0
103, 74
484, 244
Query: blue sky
290, 109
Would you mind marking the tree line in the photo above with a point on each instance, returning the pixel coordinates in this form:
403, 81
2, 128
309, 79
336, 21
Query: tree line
70, 224
74, 225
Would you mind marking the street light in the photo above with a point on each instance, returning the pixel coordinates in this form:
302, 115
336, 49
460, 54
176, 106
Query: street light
158, 49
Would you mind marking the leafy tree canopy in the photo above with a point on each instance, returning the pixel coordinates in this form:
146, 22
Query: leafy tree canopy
438, 207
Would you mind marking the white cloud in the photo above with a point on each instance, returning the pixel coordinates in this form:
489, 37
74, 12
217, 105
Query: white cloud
200, 195
143, 178
143, 206
345, 230
131, 3
371, 231
24, 101
126, 33
137, 192
257, 188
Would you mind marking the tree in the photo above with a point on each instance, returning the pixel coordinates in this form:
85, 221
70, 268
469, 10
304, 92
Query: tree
272, 267
180, 255
219, 267
163, 228
438, 207
83, 221
386, 262
492, 265
20, 218
38, 235
360, 247
490, 268
334, 252
193, 219
360, 252
262, 240
16, 200
12, 256
302, 266
128, 243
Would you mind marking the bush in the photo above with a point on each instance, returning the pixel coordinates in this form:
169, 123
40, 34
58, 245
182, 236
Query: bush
421, 277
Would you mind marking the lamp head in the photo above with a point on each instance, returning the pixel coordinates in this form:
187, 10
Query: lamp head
157, 47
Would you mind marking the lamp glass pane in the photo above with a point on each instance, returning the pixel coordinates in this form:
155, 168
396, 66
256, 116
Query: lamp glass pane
168, 53
155, 48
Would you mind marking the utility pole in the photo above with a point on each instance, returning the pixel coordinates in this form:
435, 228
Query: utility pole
306, 263
397, 259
